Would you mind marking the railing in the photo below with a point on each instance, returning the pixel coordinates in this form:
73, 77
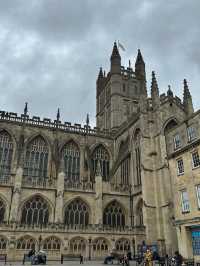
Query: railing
86, 186
38, 182
58, 227
48, 123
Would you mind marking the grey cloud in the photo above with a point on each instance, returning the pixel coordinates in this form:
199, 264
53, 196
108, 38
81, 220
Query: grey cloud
50, 51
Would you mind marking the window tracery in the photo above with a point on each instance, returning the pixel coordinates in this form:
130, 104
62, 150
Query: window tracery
35, 212
2, 211
76, 213
123, 245
101, 154
100, 247
71, 156
26, 243
36, 160
52, 243
113, 215
6, 152
77, 246
3, 242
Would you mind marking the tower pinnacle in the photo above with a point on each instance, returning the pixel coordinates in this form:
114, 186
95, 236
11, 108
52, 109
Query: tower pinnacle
187, 99
140, 66
115, 60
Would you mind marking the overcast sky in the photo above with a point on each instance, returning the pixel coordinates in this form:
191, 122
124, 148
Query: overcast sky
51, 51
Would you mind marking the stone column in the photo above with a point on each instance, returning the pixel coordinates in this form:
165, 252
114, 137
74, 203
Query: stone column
14, 217
60, 195
99, 195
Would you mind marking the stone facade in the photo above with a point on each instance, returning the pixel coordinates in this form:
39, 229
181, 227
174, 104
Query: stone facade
72, 189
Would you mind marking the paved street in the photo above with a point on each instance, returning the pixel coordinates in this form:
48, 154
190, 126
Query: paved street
66, 263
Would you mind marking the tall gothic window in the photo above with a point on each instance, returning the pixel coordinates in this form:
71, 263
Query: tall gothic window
26, 243
113, 215
6, 151
76, 213
122, 245
2, 211
52, 243
35, 212
125, 168
71, 156
137, 157
101, 154
3, 242
36, 161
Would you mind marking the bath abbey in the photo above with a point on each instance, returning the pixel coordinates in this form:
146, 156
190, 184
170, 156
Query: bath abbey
131, 181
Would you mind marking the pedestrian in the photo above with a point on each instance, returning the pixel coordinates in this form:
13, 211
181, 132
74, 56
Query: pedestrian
178, 258
81, 259
148, 256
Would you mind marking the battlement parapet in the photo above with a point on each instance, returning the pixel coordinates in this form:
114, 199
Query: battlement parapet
48, 123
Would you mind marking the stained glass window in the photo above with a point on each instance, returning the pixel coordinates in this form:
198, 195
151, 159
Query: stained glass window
100, 154
6, 152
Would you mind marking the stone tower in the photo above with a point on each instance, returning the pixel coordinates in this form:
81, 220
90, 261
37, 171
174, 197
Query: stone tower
119, 93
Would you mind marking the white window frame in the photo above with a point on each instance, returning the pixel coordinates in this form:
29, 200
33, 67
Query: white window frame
191, 133
178, 170
177, 140
185, 204
193, 166
198, 195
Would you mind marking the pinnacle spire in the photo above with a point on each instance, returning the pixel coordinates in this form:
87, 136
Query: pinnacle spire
58, 115
154, 86
169, 91
140, 66
139, 58
87, 120
115, 52
187, 99
26, 109
100, 73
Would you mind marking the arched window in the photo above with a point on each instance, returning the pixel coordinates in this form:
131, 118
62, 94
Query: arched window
77, 246
100, 247
113, 215
123, 245
26, 242
76, 213
3, 242
137, 139
6, 152
2, 211
35, 212
52, 243
71, 156
101, 154
36, 160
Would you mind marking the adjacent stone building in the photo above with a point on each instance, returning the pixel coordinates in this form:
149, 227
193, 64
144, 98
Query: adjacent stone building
76, 190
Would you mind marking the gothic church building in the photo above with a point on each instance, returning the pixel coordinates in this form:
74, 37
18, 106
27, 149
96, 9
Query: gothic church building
70, 189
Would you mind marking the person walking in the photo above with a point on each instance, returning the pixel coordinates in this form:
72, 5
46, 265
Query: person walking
81, 259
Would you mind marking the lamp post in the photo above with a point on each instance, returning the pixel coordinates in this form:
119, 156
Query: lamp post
39, 242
